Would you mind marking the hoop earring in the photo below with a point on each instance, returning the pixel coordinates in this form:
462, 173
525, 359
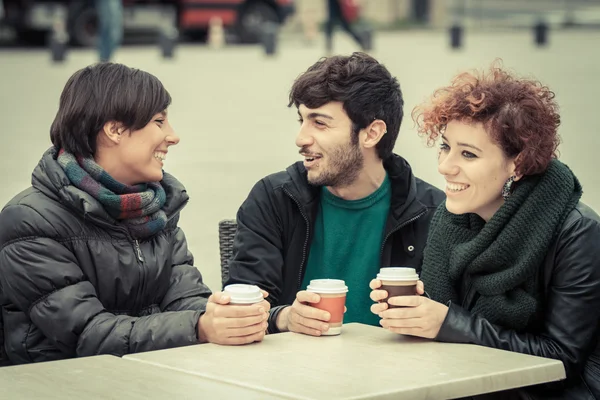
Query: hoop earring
507, 186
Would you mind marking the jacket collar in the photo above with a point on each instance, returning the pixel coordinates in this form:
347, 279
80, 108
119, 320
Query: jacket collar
404, 187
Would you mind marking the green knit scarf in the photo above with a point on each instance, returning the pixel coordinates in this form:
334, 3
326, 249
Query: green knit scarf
501, 258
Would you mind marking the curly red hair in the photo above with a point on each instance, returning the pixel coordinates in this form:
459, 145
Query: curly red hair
520, 115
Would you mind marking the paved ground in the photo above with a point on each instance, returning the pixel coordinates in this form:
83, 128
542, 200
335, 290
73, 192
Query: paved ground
230, 110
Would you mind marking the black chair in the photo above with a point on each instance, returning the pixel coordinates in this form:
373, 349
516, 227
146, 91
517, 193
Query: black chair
227, 229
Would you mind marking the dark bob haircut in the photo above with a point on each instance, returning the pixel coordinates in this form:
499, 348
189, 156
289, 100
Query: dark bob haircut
101, 93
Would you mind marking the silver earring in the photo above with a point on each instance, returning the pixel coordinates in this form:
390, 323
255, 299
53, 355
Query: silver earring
507, 186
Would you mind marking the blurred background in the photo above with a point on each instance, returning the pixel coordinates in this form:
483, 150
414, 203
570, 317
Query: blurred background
229, 64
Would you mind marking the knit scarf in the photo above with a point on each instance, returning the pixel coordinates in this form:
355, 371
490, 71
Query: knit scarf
500, 259
138, 207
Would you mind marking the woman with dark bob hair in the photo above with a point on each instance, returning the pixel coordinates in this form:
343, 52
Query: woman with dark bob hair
512, 258
91, 258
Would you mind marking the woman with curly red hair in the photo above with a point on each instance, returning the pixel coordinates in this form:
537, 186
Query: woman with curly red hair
512, 258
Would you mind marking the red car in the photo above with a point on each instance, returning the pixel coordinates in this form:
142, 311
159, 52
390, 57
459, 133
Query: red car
245, 17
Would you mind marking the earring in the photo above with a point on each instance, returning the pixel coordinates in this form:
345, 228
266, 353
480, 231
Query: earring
507, 186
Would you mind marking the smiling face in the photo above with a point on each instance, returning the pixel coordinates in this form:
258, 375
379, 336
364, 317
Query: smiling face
325, 140
141, 153
475, 169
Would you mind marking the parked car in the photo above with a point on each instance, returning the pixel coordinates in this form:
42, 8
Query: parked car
245, 17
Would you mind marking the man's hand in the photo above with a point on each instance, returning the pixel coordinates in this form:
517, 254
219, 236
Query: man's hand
229, 324
302, 318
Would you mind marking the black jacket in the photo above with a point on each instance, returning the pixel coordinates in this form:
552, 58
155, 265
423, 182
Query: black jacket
275, 227
566, 328
74, 283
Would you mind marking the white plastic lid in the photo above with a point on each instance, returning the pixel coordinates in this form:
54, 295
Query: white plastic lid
397, 274
243, 294
327, 286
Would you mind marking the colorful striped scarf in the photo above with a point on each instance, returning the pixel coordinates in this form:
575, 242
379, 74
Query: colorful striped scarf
137, 207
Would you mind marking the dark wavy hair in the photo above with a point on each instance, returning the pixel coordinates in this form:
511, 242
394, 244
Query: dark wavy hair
365, 87
520, 115
101, 93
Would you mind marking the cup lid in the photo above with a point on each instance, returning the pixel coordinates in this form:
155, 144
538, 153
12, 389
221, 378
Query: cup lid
243, 294
327, 286
397, 274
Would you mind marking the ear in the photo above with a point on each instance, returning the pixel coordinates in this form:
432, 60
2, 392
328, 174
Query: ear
373, 133
112, 131
512, 165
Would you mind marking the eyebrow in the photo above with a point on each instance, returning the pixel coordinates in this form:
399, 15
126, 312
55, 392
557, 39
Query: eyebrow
464, 144
314, 115
163, 113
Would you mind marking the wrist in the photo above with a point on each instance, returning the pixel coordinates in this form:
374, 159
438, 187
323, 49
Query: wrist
282, 319
200, 332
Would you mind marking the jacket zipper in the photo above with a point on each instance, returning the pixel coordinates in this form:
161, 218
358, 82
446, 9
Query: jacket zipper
136, 244
138, 251
397, 228
305, 239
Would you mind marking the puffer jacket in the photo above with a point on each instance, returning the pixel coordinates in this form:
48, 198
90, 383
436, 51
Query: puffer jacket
74, 283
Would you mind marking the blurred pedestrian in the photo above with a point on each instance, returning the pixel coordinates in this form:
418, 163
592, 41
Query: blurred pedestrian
336, 14
110, 24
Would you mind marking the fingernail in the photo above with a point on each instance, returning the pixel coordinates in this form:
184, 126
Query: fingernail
265, 325
261, 310
327, 316
324, 327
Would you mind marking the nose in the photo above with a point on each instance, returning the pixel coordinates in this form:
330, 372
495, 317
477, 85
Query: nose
172, 138
447, 165
304, 138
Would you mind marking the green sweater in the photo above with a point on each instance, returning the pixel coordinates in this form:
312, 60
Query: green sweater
346, 245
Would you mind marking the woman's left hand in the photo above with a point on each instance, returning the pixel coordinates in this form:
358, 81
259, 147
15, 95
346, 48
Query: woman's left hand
419, 316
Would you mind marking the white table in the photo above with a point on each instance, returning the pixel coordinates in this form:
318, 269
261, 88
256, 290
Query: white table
108, 377
364, 362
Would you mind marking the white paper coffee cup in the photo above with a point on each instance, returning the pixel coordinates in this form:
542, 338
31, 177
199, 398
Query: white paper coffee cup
243, 294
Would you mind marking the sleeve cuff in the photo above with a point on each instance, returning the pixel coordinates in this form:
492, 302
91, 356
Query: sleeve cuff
273, 314
456, 326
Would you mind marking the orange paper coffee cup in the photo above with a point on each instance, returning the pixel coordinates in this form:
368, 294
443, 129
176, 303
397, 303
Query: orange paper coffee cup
333, 300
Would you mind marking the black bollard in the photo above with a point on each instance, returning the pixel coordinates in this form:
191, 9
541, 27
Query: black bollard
269, 38
168, 41
456, 33
59, 41
540, 31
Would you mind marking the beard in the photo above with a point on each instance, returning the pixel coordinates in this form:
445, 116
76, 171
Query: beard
344, 166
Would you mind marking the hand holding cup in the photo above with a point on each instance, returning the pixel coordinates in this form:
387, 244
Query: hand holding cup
317, 311
236, 316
